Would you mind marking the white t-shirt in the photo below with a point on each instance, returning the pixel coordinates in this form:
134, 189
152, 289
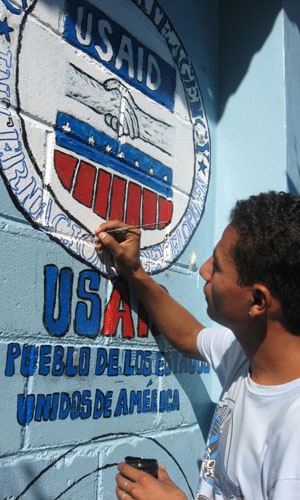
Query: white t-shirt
253, 447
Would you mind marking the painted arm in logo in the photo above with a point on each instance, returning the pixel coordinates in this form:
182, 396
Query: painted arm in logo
113, 100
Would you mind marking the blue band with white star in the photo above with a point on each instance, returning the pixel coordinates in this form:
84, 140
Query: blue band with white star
88, 142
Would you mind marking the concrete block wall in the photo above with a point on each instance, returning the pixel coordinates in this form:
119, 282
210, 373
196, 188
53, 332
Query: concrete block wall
107, 110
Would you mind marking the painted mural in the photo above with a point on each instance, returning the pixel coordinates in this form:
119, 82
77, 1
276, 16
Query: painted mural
101, 117
122, 133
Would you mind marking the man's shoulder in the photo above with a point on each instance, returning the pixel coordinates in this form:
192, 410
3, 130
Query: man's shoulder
290, 410
222, 350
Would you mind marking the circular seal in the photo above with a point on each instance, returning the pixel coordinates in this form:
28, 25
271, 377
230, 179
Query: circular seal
110, 124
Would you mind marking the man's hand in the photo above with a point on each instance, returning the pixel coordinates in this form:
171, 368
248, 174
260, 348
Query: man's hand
172, 320
124, 246
133, 484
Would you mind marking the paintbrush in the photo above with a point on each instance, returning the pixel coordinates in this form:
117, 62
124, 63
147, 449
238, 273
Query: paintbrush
122, 229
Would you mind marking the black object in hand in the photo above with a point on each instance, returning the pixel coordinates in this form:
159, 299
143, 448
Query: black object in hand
149, 465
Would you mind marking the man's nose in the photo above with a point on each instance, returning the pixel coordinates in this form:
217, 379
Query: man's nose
206, 269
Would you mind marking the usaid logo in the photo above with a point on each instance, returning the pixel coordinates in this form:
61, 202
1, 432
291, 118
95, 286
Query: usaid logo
109, 124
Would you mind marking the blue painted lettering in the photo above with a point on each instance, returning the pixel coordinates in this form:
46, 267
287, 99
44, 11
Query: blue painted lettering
13, 352
102, 404
113, 364
25, 408
122, 404
28, 360
82, 405
146, 401
90, 30
64, 407
57, 314
135, 401
59, 361
57, 326
45, 359
86, 405
75, 408
71, 370
128, 367
84, 361
55, 401
43, 407
159, 367
87, 322
101, 361
58, 364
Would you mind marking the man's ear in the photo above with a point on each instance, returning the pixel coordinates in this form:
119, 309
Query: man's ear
261, 300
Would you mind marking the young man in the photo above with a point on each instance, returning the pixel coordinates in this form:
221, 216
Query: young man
253, 290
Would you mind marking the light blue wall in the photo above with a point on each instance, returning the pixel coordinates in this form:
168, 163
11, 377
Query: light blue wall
291, 51
252, 127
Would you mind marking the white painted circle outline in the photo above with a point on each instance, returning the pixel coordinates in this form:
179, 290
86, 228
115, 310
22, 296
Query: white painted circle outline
160, 256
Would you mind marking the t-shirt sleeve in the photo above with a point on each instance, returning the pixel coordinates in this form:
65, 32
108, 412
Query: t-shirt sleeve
219, 347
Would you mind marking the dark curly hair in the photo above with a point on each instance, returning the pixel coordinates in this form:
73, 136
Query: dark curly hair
268, 248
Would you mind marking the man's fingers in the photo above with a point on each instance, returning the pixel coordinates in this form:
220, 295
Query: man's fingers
163, 476
124, 483
120, 236
100, 243
129, 472
121, 495
109, 242
124, 246
109, 225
